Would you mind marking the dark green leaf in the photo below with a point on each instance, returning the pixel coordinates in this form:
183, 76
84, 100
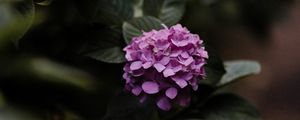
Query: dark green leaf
224, 107
104, 45
168, 11
214, 68
238, 69
136, 26
109, 55
110, 12
15, 19
228, 107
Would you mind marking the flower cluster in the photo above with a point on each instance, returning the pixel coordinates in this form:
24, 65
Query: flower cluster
165, 64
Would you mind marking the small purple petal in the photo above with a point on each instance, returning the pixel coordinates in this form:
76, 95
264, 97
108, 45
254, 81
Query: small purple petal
128, 56
147, 65
138, 72
150, 87
188, 61
179, 43
175, 53
146, 55
195, 88
159, 67
204, 54
137, 90
164, 60
162, 45
185, 55
162, 34
135, 65
188, 76
127, 77
178, 27
168, 72
164, 104
181, 83
171, 92
143, 45
177, 68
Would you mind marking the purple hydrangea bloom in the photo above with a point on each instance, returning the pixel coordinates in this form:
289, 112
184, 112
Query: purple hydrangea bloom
165, 65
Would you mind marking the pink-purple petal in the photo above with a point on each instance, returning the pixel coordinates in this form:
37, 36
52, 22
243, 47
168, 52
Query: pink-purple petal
168, 72
181, 83
164, 104
165, 60
159, 67
150, 87
171, 92
147, 65
136, 65
187, 61
136, 90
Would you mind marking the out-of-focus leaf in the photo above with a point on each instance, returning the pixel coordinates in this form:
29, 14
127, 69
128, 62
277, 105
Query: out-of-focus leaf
15, 19
54, 73
214, 69
15, 113
136, 26
71, 116
2, 100
137, 8
110, 12
104, 45
45, 2
44, 84
64, 114
238, 69
126, 107
168, 11
228, 107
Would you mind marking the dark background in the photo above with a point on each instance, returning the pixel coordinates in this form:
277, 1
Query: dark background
275, 44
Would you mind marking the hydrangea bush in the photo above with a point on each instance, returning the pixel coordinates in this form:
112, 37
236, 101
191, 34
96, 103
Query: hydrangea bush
112, 60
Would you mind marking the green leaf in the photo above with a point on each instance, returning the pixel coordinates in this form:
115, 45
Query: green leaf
109, 55
238, 69
136, 26
109, 12
168, 11
214, 68
15, 19
228, 107
104, 45
52, 72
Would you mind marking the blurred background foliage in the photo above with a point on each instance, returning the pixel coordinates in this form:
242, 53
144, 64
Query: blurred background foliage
63, 59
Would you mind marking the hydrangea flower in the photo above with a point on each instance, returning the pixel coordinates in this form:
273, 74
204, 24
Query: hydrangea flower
165, 65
